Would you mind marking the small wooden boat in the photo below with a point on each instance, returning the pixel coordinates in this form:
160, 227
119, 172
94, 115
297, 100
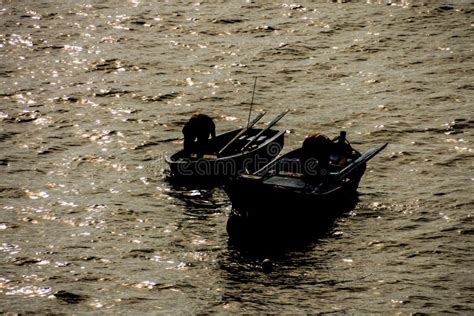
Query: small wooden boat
265, 145
229, 154
282, 197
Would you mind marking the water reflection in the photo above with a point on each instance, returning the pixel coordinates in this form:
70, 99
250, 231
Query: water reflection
199, 198
94, 93
277, 231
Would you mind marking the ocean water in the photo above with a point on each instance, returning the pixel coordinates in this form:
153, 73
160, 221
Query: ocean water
94, 94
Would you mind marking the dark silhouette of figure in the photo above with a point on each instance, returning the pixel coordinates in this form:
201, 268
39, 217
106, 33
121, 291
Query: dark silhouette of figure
316, 146
196, 135
343, 149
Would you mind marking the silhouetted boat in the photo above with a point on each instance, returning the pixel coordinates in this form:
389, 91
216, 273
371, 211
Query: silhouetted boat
233, 160
283, 198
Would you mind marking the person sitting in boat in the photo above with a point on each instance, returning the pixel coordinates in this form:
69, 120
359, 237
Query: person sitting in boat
196, 134
317, 149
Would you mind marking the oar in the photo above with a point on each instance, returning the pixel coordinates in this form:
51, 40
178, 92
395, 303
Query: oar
243, 131
259, 172
369, 154
273, 122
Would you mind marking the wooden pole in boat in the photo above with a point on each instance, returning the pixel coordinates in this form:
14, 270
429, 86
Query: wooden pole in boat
251, 102
243, 131
273, 122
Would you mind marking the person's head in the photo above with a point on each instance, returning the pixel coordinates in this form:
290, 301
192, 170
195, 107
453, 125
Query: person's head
200, 116
316, 143
201, 125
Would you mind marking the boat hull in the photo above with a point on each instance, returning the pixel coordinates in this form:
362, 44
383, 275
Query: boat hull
266, 215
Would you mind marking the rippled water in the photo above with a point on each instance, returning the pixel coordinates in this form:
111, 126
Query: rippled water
94, 94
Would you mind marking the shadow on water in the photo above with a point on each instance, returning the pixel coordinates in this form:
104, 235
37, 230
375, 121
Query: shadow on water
276, 231
199, 201
258, 244
193, 183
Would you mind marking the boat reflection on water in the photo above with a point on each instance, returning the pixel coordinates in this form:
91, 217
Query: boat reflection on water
284, 228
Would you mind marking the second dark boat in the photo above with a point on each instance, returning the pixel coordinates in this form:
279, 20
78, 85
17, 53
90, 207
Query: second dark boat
282, 199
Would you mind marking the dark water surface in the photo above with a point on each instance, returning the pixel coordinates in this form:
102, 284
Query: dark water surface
93, 94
